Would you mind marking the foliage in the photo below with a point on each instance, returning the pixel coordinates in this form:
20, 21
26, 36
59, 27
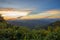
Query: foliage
24, 33
10, 32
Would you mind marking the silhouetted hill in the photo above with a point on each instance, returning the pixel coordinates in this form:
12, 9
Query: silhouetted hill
3, 23
55, 24
1, 19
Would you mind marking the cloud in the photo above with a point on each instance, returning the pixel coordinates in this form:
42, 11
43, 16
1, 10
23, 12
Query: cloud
50, 12
46, 14
16, 14
9, 13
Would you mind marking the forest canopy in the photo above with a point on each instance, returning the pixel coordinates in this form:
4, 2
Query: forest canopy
12, 32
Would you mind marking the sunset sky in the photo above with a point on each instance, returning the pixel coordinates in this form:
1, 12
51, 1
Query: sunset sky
38, 7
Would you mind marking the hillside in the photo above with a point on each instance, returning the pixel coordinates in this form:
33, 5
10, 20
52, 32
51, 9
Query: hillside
10, 32
55, 24
3, 23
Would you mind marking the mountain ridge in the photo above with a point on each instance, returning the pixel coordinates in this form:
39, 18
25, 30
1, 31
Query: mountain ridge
33, 23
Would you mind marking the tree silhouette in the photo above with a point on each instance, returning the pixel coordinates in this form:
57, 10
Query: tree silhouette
1, 18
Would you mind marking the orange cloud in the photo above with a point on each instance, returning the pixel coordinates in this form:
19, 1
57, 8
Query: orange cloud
32, 17
9, 18
9, 13
46, 14
50, 12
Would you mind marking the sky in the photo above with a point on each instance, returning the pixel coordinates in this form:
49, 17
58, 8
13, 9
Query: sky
37, 6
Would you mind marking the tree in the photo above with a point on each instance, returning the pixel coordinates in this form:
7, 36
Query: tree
1, 18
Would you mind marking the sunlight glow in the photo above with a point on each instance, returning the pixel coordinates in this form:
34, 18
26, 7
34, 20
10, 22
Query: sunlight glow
14, 14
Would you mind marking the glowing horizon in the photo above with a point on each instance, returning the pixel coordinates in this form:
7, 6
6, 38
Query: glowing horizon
46, 14
14, 13
17, 14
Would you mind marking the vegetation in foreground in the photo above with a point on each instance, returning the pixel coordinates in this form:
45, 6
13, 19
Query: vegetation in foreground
10, 32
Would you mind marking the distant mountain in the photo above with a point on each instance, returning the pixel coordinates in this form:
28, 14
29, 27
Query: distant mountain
33, 23
55, 24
